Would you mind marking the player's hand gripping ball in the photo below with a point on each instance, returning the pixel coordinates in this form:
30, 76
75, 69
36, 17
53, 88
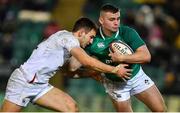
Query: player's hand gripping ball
123, 49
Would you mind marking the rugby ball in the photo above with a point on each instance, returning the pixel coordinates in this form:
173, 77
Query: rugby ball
120, 47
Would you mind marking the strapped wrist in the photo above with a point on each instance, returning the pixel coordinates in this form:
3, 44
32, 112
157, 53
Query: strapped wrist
116, 68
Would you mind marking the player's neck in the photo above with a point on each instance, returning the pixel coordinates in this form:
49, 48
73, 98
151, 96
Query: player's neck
106, 32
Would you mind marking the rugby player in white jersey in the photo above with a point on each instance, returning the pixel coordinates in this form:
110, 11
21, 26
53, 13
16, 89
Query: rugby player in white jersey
30, 82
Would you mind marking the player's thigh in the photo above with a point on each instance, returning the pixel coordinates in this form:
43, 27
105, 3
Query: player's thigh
152, 98
8, 106
57, 100
122, 106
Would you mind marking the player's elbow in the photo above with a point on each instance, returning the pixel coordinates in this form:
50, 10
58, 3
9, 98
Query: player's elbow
85, 64
72, 69
147, 58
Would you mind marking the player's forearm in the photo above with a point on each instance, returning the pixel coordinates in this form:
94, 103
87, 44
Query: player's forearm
91, 62
99, 66
138, 57
74, 65
141, 55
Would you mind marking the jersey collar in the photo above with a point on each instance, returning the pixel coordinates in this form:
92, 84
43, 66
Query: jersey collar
101, 33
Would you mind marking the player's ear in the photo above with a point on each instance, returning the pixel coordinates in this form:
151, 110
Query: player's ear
81, 32
100, 20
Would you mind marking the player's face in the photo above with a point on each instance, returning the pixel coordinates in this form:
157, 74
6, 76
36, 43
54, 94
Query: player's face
87, 38
110, 21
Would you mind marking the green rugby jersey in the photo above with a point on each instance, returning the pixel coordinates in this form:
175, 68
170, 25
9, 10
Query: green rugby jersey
100, 47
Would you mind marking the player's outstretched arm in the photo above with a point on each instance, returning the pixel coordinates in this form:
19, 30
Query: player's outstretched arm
90, 62
93, 63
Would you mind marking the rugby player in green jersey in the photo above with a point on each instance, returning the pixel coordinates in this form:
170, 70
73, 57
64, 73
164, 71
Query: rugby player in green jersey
139, 84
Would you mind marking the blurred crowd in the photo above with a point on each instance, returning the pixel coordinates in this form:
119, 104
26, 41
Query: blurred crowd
25, 23
161, 32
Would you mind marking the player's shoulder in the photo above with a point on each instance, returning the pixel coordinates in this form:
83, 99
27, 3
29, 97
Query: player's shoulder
64, 33
126, 28
64, 37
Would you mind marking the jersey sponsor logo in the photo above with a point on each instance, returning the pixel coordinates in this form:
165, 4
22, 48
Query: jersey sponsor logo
100, 45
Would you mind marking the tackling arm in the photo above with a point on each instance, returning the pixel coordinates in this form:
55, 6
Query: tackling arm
91, 62
95, 64
76, 72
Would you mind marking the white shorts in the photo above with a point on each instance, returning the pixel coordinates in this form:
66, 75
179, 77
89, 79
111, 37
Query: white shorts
20, 92
121, 91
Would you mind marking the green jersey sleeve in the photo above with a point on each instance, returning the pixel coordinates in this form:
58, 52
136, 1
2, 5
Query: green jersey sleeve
132, 38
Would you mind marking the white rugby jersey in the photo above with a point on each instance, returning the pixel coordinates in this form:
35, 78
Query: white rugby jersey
50, 55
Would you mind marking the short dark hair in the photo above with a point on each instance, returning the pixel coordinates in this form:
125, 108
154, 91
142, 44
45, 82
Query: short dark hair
85, 23
109, 8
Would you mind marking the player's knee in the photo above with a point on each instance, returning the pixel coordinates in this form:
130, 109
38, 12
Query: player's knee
161, 109
76, 109
73, 108
68, 108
